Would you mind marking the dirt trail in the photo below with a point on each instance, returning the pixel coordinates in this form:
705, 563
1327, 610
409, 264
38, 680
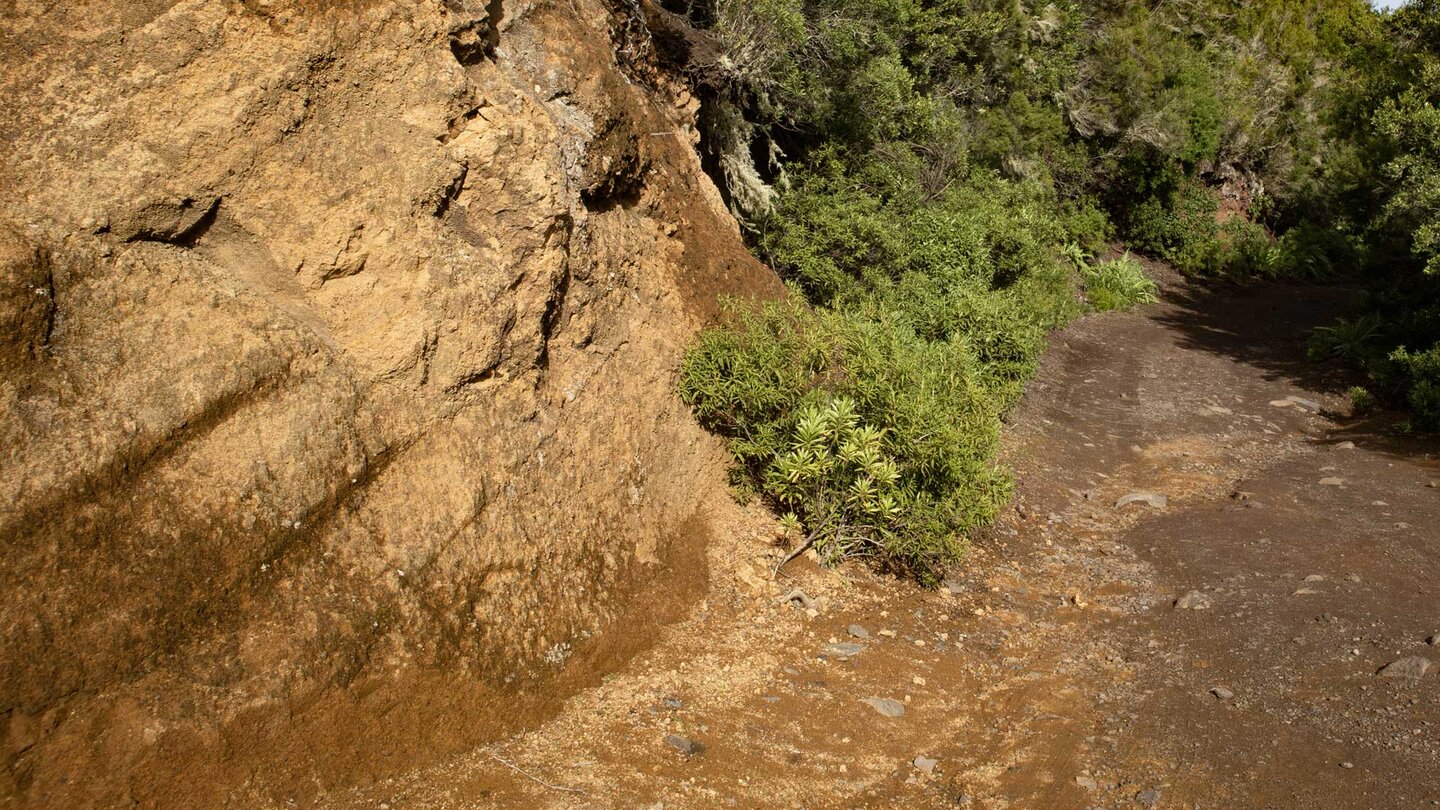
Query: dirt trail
1054, 669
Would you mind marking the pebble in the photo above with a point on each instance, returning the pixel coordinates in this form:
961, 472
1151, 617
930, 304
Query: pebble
888, 633
1411, 666
1345, 446
1193, 600
1086, 782
1332, 482
1315, 578
1153, 499
857, 631
844, 649
925, 765
1222, 693
886, 706
798, 597
1347, 765
672, 703
684, 745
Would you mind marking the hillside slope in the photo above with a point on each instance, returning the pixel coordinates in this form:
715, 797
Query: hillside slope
337, 380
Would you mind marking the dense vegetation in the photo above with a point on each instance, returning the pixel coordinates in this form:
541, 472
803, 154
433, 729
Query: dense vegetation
940, 181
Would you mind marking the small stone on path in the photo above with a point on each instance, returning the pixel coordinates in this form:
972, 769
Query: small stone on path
1222, 693
1345, 446
1332, 482
1412, 666
925, 765
886, 706
843, 649
684, 745
1193, 600
857, 631
1153, 499
1086, 782
798, 597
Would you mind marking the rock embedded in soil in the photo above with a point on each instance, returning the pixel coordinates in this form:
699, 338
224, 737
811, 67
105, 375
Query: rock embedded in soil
685, 745
1222, 693
886, 706
925, 765
856, 631
1153, 499
1193, 600
1411, 666
1308, 404
1332, 481
799, 598
843, 649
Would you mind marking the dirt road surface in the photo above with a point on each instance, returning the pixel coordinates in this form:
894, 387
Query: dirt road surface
1222, 650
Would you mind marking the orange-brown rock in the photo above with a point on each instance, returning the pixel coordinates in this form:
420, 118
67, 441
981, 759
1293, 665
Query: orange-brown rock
337, 356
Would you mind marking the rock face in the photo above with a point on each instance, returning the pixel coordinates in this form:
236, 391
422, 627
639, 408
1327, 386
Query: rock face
337, 346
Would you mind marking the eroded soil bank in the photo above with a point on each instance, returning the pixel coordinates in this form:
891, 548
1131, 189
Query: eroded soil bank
1055, 670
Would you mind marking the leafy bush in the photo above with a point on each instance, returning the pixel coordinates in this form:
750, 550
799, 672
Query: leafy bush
1361, 400
1350, 338
1118, 284
1247, 250
1420, 373
793, 388
1177, 224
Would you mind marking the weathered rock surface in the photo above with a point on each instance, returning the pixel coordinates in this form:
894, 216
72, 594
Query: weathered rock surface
337, 344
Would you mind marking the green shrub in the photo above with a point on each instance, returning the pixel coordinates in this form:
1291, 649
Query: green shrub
1420, 373
1118, 284
1350, 338
1361, 400
878, 443
1178, 225
1247, 250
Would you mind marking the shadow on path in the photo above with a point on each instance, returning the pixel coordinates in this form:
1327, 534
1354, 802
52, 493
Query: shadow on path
1265, 327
